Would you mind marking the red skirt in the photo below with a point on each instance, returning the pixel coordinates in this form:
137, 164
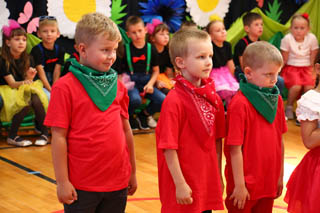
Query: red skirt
297, 76
303, 188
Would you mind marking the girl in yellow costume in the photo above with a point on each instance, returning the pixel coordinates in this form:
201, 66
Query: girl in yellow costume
17, 89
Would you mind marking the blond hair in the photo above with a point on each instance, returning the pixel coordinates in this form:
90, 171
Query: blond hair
46, 22
259, 53
92, 25
179, 46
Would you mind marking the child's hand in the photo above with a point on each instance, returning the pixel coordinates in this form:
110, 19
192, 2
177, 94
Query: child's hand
161, 84
239, 196
183, 194
280, 187
148, 89
132, 187
66, 193
31, 73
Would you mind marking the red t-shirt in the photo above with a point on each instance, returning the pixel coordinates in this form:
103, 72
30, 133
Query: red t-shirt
261, 146
98, 157
176, 130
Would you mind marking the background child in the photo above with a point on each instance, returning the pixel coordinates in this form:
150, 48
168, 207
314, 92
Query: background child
190, 129
142, 61
254, 149
92, 143
159, 37
20, 93
303, 186
299, 49
253, 26
223, 66
48, 55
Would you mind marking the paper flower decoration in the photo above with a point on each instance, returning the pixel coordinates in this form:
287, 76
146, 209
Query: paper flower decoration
69, 12
26, 15
202, 10
168, 11
4, 16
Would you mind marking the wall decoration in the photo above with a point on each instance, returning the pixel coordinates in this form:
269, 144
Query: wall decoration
274, 11
25, 16
116, 11
4, 16
201, 11
169, 11
69, 12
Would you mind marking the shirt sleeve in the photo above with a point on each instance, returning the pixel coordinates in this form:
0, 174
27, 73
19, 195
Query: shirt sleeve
168, 127
61, 53
154, 57
228, 51
314, 42
124, 103
285, 46
4, 71
236, 123
37, 56
59, 110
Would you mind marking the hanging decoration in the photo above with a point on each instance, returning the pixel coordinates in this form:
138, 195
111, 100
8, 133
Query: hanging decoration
203, 11
26, 15
69, 12
116, 11
168, 11
4, 17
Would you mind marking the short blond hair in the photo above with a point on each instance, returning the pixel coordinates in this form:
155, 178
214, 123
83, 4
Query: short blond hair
179, 44
47, 22
92, 25
258, 53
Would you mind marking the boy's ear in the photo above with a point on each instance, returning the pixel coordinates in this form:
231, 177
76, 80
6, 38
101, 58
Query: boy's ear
246, 28
81, 48
179, 62
38, 33
248, 72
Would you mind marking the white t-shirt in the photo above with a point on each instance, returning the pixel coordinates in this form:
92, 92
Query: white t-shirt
299, 52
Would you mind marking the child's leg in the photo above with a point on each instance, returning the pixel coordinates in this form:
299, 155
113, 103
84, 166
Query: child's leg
114, 202
87, 202
134, 100
307, 88
40, 113
16, 121
293, 93
263, 205
156, 98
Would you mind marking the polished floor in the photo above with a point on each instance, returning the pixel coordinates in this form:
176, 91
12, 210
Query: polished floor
27, 179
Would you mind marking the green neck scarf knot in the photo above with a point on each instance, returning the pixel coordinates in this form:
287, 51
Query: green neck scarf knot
100, 86
264, 100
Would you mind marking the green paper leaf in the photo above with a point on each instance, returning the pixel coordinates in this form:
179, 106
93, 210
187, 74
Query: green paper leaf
274, 12
116, 11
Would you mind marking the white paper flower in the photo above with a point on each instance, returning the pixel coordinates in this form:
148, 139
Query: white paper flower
4, 15
69, 12
202, 10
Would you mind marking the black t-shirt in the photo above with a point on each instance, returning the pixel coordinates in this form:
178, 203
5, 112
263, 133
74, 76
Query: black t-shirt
49, 57
221, 55
164, 60
239, 49
139, 59
13, 69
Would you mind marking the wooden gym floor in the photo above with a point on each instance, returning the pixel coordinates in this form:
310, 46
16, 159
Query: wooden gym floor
27, 182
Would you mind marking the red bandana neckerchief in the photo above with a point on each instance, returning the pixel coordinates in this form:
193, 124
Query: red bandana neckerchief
205, 101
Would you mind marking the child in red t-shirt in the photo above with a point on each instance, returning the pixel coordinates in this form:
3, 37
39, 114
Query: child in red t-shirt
190, 129
255, 124
92, 142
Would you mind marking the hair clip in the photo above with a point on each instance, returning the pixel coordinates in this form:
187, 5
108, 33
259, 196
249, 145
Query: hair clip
305, 15
12, 25
153, 25
41, 18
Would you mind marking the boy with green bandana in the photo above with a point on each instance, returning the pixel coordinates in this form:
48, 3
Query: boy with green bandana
254, 149
92, 142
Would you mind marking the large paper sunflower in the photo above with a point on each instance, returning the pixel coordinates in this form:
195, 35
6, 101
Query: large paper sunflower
4, 15
202, 11
69, 12
168, 11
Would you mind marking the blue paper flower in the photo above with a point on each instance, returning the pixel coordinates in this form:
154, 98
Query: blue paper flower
300, 1
168, 11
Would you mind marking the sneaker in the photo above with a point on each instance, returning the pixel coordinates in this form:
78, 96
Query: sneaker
142, 121
289, 113
151, 122
18, 141
297, 122
42, 141
134, 123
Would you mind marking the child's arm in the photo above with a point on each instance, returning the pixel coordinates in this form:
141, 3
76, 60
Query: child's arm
148, 88
13, 83
129, 139
240, 62
231, 66
43, 77
56, 73
285, 55
313, 55
240, 193
219, 158
310, 133
65, 190
30, 74
183, 191
280, 181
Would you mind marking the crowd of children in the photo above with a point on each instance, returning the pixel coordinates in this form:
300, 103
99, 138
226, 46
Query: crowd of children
191, 79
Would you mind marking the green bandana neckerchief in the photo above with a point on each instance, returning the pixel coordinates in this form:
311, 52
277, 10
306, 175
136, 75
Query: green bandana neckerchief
264, 100
100, 86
